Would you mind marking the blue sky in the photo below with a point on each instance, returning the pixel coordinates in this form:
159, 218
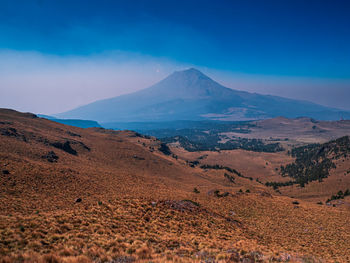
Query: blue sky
266, 46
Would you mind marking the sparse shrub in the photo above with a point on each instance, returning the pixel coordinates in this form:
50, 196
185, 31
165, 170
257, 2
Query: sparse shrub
65, 147
144, 253
50, 258
164, 149
295, 202
81, 259
95, 252
276, 185
220, 257
51, 157
339, 195
195, 190
192, 202
218, 194
347, 192
130, 250
230, 177
6, 259
66, 252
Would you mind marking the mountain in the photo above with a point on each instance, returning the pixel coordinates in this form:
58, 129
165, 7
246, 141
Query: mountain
191, 95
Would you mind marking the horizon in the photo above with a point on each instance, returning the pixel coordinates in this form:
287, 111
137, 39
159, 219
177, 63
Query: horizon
56, 55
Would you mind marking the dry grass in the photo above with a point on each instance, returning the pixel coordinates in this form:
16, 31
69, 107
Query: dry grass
132, 205
139, 229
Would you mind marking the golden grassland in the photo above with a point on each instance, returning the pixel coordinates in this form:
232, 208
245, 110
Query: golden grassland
137, 204
258, 165
265, 167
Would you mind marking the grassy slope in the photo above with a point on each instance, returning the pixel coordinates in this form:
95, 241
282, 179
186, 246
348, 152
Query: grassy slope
266, 168
132, 206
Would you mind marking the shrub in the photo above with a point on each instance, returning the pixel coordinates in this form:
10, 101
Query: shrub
218, 194
144, 253
164, 149
192, 202
275, 185
339, 195
130, 250
51, 157
230, 177
65, 147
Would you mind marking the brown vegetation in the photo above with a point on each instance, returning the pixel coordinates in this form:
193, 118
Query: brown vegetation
138, 204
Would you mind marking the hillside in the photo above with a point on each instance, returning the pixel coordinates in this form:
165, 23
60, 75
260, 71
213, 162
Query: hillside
322, 169
80, 195
316, 172
191, 95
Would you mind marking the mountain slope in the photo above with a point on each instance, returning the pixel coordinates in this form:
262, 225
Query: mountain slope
191, 95
94, 195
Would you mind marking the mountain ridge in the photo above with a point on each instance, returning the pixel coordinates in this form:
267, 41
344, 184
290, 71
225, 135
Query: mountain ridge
191, 95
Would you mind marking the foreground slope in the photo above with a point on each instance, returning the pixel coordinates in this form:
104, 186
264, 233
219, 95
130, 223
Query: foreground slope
191, 95
81, 195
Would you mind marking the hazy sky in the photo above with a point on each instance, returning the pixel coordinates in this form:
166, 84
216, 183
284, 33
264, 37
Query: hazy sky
59, 54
